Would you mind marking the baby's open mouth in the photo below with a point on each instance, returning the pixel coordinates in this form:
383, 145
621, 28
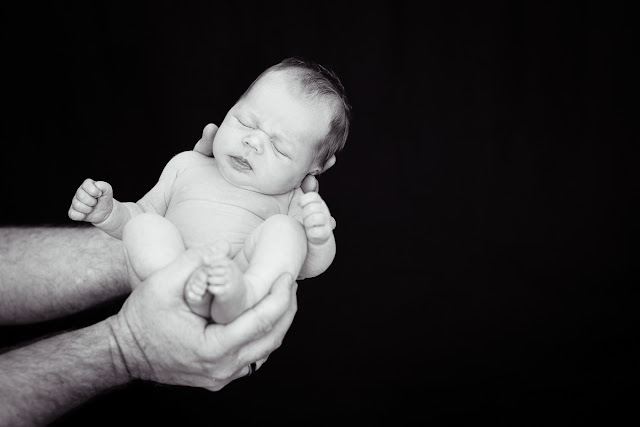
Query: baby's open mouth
240, 163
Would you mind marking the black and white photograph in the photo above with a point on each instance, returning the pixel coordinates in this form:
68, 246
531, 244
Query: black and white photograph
318, 213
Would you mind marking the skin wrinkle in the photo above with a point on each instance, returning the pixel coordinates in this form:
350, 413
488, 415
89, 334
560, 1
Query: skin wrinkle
43, 380
139, 349
119, 354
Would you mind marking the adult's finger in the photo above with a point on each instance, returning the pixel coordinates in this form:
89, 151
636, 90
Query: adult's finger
175, 275
245, 370
310, 183
205, 144
257, 321
265, 345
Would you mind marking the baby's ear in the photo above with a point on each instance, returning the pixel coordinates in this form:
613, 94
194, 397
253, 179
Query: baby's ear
330, 162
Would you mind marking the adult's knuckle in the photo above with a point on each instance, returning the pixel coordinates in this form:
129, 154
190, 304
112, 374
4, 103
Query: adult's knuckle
277, 342
216, 386
221, 373
263, 325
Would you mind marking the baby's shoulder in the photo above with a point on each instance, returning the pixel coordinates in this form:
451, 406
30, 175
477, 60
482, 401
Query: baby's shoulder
188, 159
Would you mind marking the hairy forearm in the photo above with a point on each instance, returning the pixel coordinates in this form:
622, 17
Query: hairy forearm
49, 272
319, 258
40, 382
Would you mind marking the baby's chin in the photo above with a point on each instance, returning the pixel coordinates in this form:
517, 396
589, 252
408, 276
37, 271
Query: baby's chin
256, 188
256, 184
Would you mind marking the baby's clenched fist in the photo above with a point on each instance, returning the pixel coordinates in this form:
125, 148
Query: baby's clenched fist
317, 221
93, 202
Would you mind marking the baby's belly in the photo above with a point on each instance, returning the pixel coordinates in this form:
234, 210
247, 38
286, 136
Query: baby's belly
201, 223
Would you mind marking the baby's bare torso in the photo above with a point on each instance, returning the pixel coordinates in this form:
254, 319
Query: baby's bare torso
205, 207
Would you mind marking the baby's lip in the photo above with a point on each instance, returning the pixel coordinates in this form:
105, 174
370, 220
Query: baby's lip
240, 163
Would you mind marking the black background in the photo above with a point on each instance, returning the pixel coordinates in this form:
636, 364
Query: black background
483, 200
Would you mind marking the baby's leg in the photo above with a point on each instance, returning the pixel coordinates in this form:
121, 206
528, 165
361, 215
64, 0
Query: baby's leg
279, 245
151, 242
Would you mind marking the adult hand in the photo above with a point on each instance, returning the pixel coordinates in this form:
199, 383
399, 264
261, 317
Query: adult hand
205, 146
161, 339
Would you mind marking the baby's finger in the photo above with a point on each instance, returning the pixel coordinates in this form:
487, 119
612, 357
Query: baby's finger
90, 187
75, 215
310, 197
81, 207
315, 220
313, 208
318, 234
85, 197
105, 188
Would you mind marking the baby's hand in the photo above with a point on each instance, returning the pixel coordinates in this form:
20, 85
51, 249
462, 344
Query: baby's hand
93, 202
316, 218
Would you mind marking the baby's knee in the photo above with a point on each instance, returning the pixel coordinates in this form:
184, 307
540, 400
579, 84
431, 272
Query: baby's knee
149, 226
286, 231
151, 242
283, 224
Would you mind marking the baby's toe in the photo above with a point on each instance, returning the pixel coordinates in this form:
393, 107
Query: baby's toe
218, 280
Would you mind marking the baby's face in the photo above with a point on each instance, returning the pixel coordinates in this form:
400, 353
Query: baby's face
266, 141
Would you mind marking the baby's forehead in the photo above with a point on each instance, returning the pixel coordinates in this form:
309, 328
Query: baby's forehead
281, 80
289, 82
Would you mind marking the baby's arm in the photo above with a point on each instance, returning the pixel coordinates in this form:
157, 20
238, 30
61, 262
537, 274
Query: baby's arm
314, 214
94, 202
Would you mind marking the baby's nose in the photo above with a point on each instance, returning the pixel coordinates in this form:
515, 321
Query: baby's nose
255, 142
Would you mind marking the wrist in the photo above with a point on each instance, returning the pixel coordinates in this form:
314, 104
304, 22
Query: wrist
105, 222
45, 379
127, 357
113, 223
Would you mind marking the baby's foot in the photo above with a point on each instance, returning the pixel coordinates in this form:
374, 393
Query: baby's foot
217, 289
227, 286
195, 291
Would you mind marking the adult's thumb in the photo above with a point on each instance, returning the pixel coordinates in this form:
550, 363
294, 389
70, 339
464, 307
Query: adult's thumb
175, 275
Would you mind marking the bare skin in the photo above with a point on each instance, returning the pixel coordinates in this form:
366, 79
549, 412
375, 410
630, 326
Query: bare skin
155, 337
220, 278
48, 272
195, 198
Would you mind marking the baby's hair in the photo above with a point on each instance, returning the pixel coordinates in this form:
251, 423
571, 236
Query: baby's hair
318, 81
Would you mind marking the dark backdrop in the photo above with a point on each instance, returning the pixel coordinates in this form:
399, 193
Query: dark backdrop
483, 200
